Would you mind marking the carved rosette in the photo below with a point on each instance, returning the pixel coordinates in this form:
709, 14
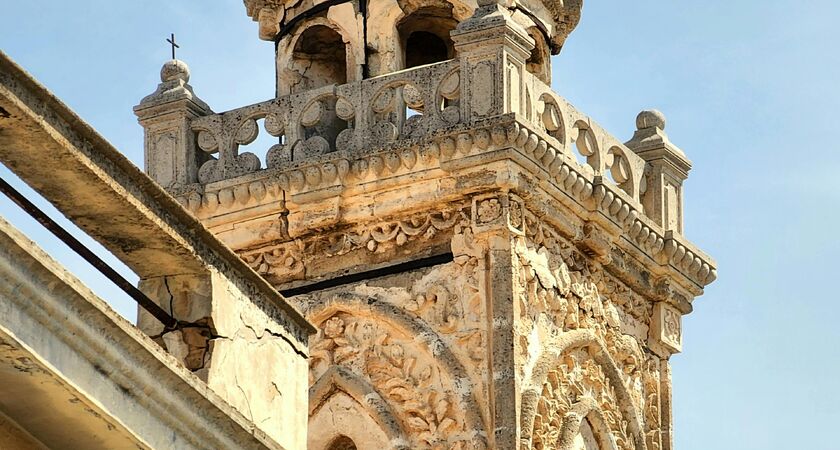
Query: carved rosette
498, 210
666, 328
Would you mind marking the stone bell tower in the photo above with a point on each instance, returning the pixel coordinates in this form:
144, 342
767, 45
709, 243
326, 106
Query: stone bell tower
487, 267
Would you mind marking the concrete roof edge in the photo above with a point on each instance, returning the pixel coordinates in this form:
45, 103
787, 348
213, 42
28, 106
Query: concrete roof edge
152, 189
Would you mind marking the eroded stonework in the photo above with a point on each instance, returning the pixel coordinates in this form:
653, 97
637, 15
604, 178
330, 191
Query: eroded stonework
485, 265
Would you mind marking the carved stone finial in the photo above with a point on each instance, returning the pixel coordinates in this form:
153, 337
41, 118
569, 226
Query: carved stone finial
667, 170
650, 118
175, 70
174, 86
165, 114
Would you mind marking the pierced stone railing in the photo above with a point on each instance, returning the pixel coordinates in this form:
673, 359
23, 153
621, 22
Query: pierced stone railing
579, 138
404, 105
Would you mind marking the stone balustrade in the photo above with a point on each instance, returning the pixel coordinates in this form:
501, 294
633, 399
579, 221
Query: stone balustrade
375, 112
404, 108
336, 137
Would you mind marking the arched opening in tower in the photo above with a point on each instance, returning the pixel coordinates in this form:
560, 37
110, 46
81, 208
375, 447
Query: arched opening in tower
539, 62
342, 443
424, 35
319, 58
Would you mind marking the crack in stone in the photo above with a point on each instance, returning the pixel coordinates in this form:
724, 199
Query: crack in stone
277, 335
171, 297
244, 396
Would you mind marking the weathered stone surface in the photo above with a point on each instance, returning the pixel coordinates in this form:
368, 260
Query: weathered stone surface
14, 437
486, 266
227, 316
74, 374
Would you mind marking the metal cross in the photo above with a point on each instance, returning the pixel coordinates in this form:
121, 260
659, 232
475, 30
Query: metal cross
171, 40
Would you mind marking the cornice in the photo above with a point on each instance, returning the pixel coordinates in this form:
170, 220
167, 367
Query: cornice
455, 149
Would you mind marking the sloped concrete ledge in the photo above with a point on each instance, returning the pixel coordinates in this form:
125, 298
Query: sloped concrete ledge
101, 382
60, 156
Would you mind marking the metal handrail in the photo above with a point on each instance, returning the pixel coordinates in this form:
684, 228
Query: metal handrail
136, 294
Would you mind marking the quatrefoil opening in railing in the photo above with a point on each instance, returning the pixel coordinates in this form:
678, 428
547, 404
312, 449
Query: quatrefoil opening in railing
222, 135
415, 106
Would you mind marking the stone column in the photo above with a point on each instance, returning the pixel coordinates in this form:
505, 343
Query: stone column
665, 340
496, 221
171, 155
668, 169
493, 50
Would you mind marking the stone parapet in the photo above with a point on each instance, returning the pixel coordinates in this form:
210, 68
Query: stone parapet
381, 147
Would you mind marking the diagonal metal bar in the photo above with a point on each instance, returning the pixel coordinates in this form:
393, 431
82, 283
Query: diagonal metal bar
138, 296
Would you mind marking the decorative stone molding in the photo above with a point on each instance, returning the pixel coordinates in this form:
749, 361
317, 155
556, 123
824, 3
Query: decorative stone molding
666, 328
287, 262
492, 211
377, 164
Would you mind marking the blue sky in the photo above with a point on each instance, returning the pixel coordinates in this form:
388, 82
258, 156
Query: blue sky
750, 90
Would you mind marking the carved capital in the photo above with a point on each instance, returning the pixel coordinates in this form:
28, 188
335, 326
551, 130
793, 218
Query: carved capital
666, 328
498, 212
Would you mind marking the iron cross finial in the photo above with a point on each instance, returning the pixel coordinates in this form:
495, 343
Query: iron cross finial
171, 40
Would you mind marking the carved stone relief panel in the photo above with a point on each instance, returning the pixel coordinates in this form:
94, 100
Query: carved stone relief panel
483, 80
666, 327
420, 390
417, 338
563, 289
368, 243
495, 210
160, 161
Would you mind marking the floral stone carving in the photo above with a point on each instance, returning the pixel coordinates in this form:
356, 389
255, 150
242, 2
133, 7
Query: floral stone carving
579, 390
404, 375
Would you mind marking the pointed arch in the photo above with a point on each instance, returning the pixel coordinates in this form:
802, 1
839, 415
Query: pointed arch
585, 410
551, 359
401, 367
339, 379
